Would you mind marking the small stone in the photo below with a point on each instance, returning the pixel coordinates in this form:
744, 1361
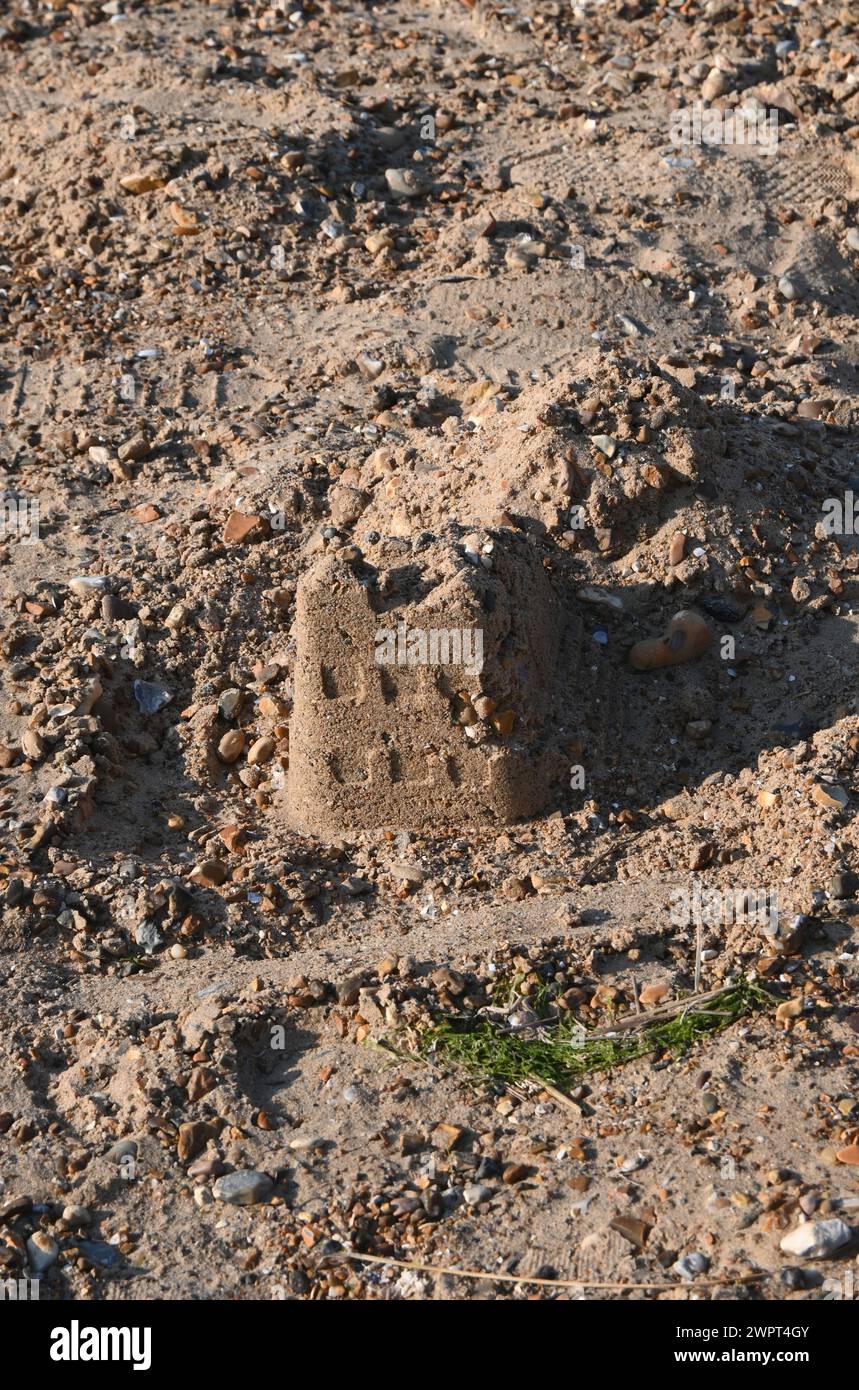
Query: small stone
404, 183
32, 746
699, 729
476, 1192
134, 450
690, 1265
231, 746
407, 873
75, 1216
146, 513
516, 1172
122, 1149
632, 1229
42, 1251
151, 696
446, 1137
201, 1081
769, 797
238, 528
141, 183
677, 548
356, 886
827, 794
244, 1189
817, 1240
13, 1206
234, 837
260, 752
686, 638
176, 618
605, 444
789, 1010
206, 1168
716, 84
209, 873
193, 1137
503, 722
85, 585
843, 885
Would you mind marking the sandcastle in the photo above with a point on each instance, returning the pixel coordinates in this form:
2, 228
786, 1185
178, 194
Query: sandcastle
424, 689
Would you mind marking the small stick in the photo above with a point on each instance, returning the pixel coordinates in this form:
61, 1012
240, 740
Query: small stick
546, 1283
699, 944
661, 1013
635, 998
557, 1095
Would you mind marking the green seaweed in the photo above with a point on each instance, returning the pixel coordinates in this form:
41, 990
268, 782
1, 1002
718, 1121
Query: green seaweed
564, 1055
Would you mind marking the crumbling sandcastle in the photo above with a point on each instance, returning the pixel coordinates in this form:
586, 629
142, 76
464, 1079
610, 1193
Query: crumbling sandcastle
424, 688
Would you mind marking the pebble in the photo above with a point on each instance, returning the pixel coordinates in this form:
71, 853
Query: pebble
404, 183
677, 548
75, 1216
261, 751
716, 84
209, 873
229, 702
231, 746
123, 1148
690, 1265
843, 885
817, 1240
151, 696
85, 585
516, 1172
177, 617
686, 638
238, 528
243, 1189
605, 444
407, 873
475, 1193
42, 1251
